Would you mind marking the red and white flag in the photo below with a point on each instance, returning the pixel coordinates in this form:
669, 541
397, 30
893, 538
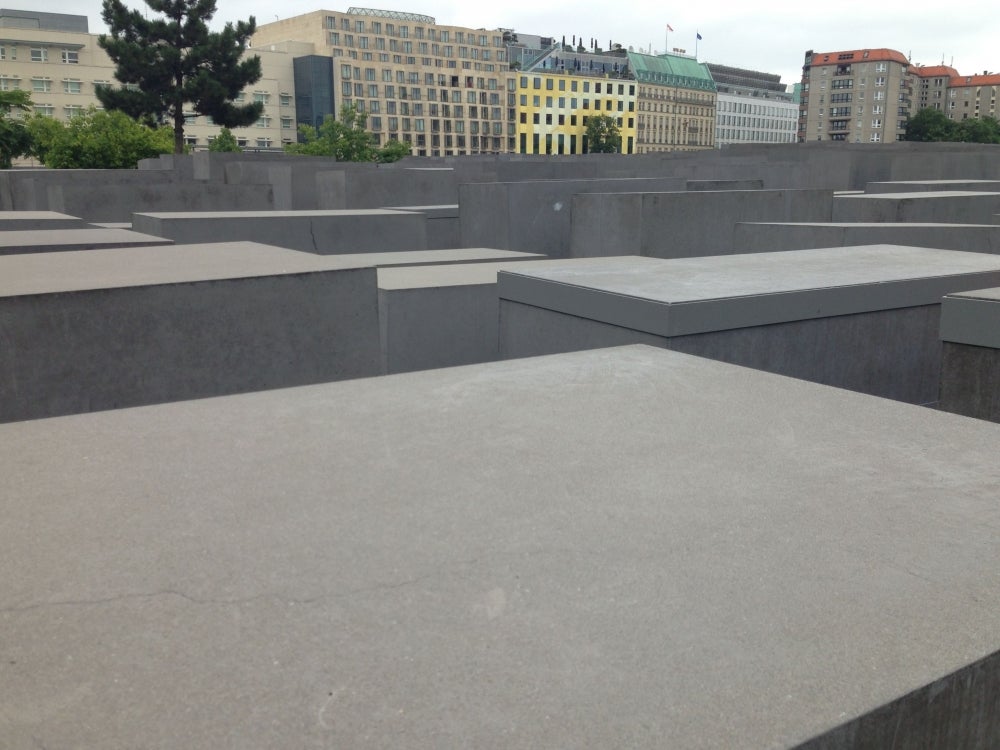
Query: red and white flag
669, 27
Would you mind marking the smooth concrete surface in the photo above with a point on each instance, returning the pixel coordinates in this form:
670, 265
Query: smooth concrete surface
36, 220
914, 186
535, 216
443, 229
321, 232
970, 358
104, 329
54, 240
761, 237
618, 548
972, 317
946, 206
440, 316
863, 318
682, 225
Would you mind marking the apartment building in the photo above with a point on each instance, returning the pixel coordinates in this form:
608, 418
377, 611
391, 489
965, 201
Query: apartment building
972, 96
58, 61
446, 90
860, 96
752, 107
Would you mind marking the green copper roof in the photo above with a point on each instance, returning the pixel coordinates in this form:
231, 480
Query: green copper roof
671, 70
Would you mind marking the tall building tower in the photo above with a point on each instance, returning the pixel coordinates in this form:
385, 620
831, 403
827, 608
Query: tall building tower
861, 96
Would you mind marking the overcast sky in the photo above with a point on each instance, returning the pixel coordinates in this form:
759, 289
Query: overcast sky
771, 37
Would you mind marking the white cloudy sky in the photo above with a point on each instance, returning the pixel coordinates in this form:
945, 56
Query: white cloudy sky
771, 37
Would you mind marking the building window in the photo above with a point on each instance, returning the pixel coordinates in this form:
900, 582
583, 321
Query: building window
39, 54
71, 87
261, 97
70, 56
263, 143
72, 110
286, 123
285, 100
41, 85
45, 109
264, 122
9, 84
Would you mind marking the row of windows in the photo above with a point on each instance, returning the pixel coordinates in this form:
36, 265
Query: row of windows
334, 39
427, 62
419, 125
348, 72
43, 85
574, 103
373, 91
360, 26
40, 54
536, 119
750, 108
744, 135
769, 123
575, 85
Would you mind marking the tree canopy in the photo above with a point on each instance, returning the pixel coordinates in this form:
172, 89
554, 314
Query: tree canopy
96, 139
224, 142
15, 138
172, 59
931, 124
346, 140
603, 136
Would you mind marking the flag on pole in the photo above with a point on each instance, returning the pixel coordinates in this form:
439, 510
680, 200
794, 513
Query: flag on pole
669, 27
699, 36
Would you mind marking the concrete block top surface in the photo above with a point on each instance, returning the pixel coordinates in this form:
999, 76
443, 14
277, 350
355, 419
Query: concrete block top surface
44, 273
693, 295
14, 216
269, 214
91, 237
616, 548
425, 277
920, 195
877, 225
972, 318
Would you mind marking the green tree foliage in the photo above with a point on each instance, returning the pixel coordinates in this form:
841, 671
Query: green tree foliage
96, 139
978, 130
225, 142
346, 139
930, 124
15, 138
603, 136
172, 59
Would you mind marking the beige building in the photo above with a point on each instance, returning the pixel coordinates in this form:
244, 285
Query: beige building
676, 102
860, 96
55, 58
446, 90
972, 96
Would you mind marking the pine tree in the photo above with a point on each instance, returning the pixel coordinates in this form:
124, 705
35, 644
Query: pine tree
172, 59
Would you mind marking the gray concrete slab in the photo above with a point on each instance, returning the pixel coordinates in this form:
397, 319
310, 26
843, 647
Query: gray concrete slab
682, 225
104, 329
970, 358
322, 232
443, 228
946, 206
762, 237
914, 186
440, 316
12, 221
55, 240
864, 318
606, 549
535, 216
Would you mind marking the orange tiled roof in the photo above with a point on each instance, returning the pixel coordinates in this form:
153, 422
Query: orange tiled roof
992, 79
858, 55
934, 71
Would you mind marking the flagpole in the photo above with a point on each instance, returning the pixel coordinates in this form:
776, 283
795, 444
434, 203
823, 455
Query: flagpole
666, 39
697, 36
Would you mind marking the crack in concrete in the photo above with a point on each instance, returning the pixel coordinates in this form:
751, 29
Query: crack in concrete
224, 602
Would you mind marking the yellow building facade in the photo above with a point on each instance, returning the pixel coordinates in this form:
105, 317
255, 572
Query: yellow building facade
554, 108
